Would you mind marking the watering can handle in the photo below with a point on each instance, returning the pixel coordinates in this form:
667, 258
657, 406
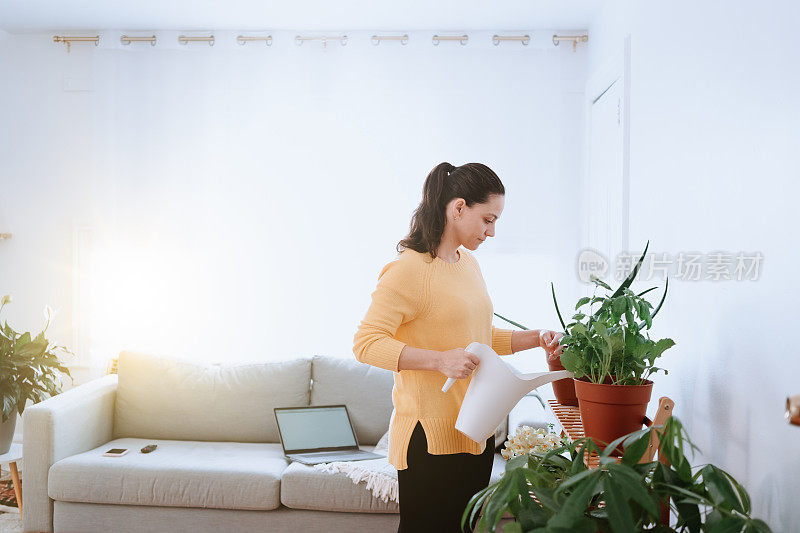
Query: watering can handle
450, 381
448, 384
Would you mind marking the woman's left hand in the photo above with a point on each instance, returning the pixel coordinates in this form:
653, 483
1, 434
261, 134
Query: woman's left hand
549, 341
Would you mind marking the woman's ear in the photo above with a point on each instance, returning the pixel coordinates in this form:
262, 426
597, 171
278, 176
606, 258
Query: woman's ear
459, 205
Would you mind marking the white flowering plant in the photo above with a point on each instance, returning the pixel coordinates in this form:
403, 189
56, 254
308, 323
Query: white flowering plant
527, 440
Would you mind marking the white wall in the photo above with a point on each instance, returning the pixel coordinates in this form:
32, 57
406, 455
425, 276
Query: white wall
244, 199
715, 106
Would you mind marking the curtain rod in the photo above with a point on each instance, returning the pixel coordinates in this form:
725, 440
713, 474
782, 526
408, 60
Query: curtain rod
299, 40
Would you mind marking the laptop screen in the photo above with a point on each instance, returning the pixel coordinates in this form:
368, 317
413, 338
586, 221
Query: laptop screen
310, 429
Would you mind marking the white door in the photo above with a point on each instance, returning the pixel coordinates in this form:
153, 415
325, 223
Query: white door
607, 217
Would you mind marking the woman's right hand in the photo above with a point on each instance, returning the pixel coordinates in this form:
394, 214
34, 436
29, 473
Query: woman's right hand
549, 340
458, 363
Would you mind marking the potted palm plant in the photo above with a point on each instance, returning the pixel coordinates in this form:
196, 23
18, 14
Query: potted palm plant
553, 491
30, 368
611, 356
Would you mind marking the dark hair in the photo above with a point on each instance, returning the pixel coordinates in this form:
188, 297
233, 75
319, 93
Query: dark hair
474, 182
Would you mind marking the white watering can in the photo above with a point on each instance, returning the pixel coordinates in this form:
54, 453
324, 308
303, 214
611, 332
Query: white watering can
493, 392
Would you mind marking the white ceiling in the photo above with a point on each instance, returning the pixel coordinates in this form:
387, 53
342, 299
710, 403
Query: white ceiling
19, 16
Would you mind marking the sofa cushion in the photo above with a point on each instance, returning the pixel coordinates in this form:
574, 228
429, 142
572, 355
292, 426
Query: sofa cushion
169, 398
366, 390
305, 487
222, 475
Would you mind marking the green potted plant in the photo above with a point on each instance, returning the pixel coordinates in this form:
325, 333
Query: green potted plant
555, 492
29, 369
611, 356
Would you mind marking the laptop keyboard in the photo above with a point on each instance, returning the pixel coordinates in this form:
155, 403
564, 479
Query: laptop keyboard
316, 454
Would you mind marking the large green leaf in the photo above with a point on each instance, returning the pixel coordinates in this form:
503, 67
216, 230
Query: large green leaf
577, 479
512, 527
634, 487
530, 514
720, 489
577, 524
625, 284
729, 524
516, 462
689, 514
560, 319
498, 502
619, 306
476, 502
511, 321
757, 526
545, 497
577, 502
743, 496
636, 450
619, 514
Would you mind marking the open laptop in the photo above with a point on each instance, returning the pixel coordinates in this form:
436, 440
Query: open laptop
319, 434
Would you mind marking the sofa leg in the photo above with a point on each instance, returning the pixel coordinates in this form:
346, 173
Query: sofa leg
17, 488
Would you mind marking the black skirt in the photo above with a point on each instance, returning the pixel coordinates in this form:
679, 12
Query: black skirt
434, 490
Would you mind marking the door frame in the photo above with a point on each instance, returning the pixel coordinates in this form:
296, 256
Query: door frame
615, 68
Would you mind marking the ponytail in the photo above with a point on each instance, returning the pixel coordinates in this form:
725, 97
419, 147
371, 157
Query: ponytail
474, 182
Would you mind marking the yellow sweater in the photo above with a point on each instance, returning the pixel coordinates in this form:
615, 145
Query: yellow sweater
431, 304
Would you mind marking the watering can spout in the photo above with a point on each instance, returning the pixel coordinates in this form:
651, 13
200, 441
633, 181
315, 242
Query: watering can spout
494, 390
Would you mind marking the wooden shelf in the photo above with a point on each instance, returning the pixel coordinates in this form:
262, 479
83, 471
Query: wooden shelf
569, 417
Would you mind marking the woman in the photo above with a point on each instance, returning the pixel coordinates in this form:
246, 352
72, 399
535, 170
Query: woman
429, 304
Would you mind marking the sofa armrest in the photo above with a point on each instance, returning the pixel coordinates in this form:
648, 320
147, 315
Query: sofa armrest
74, 421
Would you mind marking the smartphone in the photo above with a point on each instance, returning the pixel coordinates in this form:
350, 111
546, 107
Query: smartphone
116, 452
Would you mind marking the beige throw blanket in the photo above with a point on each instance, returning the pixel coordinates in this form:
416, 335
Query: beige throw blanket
379, 475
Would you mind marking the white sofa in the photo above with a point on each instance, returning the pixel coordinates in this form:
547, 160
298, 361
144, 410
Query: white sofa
219, 465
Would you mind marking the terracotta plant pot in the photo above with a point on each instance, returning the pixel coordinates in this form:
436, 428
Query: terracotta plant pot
611, 411
564, 389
